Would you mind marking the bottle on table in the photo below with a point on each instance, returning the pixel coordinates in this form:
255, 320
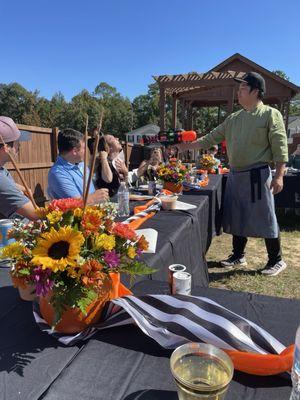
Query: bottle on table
123, 200
295, 395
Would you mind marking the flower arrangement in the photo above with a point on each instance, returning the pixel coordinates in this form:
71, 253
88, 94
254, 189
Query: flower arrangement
207, 162
173, 171
71, 252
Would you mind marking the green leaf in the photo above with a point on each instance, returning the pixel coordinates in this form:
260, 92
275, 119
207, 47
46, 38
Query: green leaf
138, 268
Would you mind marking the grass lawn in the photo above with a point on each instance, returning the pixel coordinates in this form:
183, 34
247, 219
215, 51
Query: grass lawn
286, 284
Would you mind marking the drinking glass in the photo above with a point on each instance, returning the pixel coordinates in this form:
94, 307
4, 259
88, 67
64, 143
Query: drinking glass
201, 371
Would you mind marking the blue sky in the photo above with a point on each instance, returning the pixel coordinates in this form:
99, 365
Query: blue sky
69, 45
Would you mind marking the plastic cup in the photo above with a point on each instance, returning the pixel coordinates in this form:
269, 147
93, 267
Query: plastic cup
5, 226
201, 371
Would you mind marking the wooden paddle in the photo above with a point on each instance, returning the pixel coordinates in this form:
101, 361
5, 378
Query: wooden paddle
85, 160
95, 153
19, 174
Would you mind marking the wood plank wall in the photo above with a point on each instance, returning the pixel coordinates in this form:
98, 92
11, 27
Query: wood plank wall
35, 158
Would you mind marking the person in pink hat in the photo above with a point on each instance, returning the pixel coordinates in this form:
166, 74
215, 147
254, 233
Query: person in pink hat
12, 199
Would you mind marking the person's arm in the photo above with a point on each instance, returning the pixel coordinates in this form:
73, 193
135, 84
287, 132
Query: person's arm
277, 182
216, 136
277, 137
106, 172
28, 211
121, 167
99, 196
278, 143
142, 168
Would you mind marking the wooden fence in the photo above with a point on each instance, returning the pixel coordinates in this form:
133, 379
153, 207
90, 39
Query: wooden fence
35, 158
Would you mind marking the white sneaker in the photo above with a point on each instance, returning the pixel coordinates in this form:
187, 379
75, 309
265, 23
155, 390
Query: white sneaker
233, 261
273, 270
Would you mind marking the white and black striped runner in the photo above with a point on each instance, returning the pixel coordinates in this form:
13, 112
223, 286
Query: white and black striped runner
153, 207
174, 320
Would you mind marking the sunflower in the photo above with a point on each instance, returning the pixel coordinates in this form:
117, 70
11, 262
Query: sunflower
58, 249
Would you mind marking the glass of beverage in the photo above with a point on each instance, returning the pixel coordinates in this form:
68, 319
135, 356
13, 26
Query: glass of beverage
201, 371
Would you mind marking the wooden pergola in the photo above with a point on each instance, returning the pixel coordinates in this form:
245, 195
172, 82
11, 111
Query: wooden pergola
217, 88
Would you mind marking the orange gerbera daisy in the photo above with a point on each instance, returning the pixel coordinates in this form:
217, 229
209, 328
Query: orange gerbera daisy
123, 230
65, 204
91, 221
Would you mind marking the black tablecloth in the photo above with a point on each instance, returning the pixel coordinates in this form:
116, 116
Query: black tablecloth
122, 363
291, 186
182, 238
214, 192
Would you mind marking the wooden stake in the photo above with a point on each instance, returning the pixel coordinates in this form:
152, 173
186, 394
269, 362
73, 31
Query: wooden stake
85, 160
95, 153
20, 175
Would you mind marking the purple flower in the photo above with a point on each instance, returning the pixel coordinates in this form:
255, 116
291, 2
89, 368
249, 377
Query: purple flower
111, 258
42, 281
139, 252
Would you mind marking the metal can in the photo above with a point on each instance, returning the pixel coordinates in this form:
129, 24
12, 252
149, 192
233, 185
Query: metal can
182, 283
172, 269
152, 188
5, 226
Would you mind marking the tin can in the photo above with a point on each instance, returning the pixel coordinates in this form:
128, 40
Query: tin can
152, 188
182, 283
5, 226
172, 269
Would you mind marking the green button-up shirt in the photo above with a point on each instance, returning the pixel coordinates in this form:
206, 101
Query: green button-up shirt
251, 137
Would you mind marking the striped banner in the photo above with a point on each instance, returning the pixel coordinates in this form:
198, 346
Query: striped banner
156, 206
174, 320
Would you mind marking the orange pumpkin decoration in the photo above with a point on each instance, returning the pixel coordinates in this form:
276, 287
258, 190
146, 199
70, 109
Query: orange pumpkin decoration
73, 320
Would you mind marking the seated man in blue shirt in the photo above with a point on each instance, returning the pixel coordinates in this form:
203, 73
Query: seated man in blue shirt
65, 178
12, 200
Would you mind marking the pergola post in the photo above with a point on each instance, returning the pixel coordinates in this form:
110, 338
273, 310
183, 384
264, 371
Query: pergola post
286, 115
174, 111
219, 114
162, 108
190, 116
230, 99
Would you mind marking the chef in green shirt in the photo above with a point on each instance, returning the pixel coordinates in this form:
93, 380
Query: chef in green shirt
255, 136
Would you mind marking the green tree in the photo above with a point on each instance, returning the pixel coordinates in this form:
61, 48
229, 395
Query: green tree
81, 105
19, 104
282, 74
118, 112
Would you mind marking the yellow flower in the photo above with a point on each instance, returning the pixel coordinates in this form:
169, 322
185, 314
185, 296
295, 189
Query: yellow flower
58, 249
106, 242
78, 212
14, 250
54, 216
131, 252
41, 212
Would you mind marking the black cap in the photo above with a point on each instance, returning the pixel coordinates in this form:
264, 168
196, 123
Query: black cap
254, 80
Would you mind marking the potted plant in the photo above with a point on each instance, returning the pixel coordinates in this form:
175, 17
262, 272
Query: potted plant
173, 173
73, 257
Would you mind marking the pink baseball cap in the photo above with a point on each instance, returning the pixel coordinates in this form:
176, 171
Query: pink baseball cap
10, 132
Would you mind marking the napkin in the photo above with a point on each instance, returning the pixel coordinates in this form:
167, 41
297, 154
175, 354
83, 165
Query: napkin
180, 205
151, 237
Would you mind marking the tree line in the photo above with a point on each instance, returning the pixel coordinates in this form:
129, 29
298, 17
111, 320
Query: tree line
121, 115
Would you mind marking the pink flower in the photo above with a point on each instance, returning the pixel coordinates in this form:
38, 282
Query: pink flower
111, 258
42, 281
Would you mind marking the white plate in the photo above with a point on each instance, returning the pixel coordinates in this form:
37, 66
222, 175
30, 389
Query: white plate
145, 187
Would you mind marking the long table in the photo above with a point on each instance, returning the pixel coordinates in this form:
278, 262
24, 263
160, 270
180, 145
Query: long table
287, 197
182, 238
122, 363
214, 192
